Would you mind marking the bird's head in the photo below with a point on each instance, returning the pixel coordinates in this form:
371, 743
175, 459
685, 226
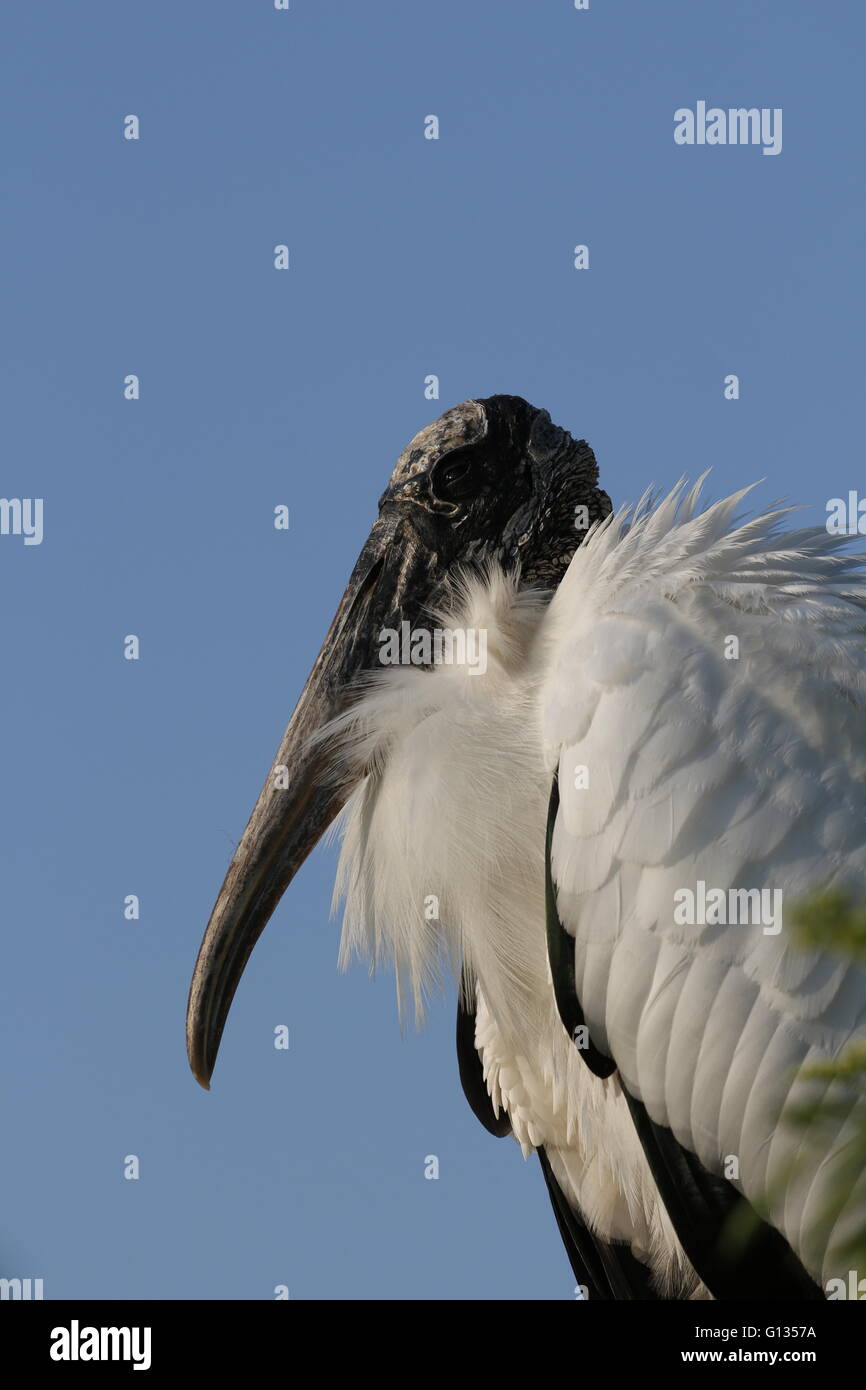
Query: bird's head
490, 481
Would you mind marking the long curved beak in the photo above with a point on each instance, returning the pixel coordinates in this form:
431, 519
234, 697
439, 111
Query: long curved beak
303, 792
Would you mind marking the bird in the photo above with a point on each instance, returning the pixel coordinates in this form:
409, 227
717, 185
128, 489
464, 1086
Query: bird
594, 818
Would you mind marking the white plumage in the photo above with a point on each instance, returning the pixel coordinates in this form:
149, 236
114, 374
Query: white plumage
742, 772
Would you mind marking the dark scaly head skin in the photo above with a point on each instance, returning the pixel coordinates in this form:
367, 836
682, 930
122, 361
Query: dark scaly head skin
491, 480
495, 478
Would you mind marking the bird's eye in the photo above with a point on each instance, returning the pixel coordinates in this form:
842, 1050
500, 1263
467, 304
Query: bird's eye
457, 477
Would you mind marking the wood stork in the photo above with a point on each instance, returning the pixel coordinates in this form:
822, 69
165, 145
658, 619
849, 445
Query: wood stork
669, 732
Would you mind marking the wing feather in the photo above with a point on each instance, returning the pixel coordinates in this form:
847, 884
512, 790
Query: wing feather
709, 675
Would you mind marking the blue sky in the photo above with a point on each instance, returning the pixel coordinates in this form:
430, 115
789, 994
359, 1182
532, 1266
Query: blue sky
259, 387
